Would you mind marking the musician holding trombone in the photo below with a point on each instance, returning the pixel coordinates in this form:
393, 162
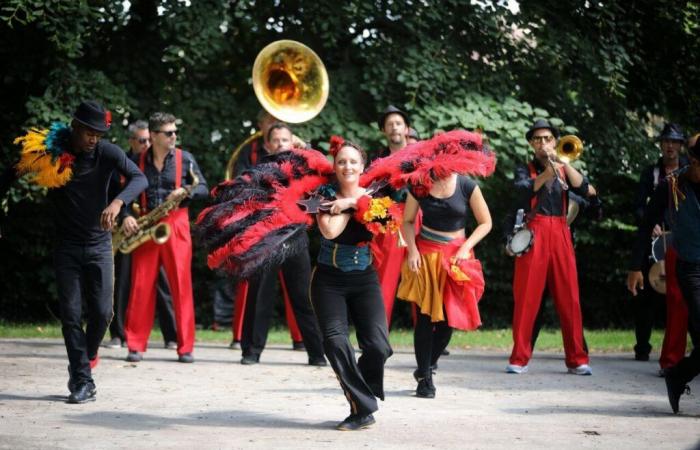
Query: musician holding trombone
541, 188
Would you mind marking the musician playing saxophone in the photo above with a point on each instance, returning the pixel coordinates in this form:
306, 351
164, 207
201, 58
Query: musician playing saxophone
169, 171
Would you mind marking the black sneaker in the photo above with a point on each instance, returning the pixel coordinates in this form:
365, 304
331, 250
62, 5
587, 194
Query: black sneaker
445, 352
319, 361
249, 360
641, 356
83, 393
425, 388
355, 422
416, 374
298, 345
675, 387
235, 345
134, 356
186, 358
170, 345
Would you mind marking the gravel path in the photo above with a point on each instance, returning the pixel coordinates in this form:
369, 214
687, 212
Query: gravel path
284, 403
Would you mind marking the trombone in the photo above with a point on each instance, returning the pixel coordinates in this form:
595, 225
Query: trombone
290, 82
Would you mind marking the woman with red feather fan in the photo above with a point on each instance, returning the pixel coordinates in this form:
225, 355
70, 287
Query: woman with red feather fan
440, 275
345, 282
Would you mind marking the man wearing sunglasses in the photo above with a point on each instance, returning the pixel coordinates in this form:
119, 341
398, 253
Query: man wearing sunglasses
167, 169
139, 141
541, 188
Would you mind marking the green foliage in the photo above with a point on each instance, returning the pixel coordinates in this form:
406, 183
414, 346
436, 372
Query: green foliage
609, 72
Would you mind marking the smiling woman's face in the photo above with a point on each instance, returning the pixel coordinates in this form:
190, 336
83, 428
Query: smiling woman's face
348, 165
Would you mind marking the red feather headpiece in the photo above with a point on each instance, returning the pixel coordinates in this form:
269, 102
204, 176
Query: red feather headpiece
420, 164
337, 143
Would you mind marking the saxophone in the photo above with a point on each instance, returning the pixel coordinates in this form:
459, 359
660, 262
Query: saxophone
150, 225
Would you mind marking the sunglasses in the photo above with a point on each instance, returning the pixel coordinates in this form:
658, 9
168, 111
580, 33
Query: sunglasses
167, 133
143, 140
542, 139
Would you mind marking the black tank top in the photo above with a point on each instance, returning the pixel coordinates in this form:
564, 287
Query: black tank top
451, 213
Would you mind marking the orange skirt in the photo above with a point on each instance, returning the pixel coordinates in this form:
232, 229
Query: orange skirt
441, 285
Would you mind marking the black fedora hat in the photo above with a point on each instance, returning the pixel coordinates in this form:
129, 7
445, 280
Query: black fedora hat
671, 132
391, 109
539, 125
93, 115
413, 134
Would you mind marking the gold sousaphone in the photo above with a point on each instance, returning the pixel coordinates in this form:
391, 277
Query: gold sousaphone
290, 82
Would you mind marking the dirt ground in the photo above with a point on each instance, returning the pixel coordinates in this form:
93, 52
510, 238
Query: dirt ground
284, 403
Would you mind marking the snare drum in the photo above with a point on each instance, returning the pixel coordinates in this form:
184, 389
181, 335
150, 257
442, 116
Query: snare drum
520, 241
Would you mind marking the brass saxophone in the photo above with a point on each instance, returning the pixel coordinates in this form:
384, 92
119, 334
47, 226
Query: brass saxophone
150, 225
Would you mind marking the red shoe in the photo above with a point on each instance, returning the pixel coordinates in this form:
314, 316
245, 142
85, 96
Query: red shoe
94, 362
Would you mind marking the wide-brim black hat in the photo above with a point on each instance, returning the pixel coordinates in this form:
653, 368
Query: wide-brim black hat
671, 132
93, 115
539, 125
391, 109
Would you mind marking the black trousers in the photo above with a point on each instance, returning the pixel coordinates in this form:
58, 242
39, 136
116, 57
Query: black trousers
84, 271
296, 271
429, 341
689, 281
122, 288
334, 295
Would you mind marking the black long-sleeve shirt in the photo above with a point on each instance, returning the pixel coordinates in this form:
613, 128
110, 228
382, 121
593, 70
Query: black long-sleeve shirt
549, 197
161, 184
654, 213
79, 204
250, 155
649, 179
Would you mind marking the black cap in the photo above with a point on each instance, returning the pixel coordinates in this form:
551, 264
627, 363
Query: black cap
391, 109
671, 132
413, 133
93, 115
539, 125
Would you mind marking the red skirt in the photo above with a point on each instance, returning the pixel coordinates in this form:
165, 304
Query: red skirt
444, 281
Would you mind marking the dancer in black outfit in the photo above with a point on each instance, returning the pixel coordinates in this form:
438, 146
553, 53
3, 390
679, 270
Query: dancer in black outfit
345, 282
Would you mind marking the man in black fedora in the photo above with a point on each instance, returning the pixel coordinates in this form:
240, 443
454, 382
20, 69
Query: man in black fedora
83, 254
649, 306
541, 189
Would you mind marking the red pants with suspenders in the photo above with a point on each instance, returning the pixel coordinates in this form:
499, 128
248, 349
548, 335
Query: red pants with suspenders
676, 334
239, 311
176, 257
550, 262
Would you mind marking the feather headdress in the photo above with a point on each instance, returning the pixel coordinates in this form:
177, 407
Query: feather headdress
420, 164
45, 156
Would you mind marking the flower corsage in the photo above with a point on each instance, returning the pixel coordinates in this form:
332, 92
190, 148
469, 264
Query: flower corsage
379, 215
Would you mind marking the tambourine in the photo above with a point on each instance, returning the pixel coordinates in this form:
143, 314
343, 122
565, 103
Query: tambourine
520, 241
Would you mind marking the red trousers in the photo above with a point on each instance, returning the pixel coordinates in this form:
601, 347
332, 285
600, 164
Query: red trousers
676, 334
239, 311
387, 260
175, 256
550, 262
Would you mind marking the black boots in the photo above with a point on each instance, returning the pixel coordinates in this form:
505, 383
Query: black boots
356, 422
675, 386
426, 388
83, 393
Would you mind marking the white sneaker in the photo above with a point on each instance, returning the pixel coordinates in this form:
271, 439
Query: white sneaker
583, 369
514, 368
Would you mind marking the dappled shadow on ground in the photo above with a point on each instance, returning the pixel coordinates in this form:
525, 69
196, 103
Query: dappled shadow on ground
229, 419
